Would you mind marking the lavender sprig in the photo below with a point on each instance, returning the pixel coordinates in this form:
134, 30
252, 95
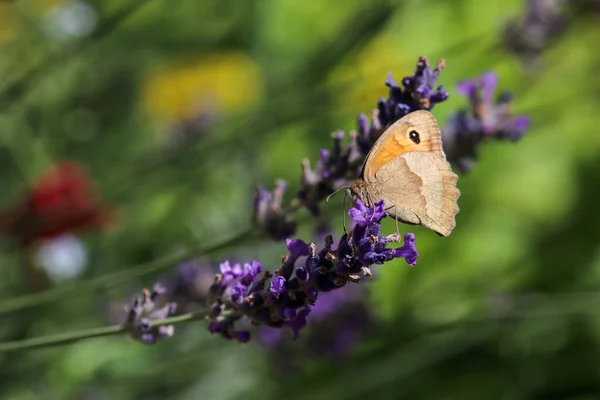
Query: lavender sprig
284, 299
342, 163
487, 117
143, 312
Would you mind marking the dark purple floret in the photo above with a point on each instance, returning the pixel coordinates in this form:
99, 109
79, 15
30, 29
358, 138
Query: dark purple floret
143, 313
277, 286
487, 117
419, 92
285, 298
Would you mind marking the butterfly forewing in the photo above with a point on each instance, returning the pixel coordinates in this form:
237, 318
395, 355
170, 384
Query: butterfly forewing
407, 168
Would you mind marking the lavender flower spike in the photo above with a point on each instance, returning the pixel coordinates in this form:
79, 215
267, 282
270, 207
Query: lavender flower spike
419, 92
143, 311
285, 297
487, 117
343, 162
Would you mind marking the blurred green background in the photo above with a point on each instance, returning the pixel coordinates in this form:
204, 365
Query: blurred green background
178, 109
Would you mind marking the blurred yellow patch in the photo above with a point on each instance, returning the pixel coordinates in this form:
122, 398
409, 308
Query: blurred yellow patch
228, 82
360, 81
8, 23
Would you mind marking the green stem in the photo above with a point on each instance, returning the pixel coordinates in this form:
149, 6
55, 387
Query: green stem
72, 337
84, 287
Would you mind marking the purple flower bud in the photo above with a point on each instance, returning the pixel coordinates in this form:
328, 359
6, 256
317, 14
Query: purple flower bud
289, 314
362, 125
488, 83
242, 336
302, 274
237, 293
297, 248
143, 311
251, 271
277, 286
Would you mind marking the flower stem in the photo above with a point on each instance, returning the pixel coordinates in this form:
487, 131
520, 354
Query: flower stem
84, 287
72, 337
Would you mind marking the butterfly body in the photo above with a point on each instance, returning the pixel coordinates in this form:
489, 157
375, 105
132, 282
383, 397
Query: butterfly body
408, 170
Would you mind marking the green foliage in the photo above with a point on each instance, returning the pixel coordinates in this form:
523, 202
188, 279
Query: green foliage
503, 308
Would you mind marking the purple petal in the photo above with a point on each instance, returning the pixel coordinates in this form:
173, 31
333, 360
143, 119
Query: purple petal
467, 88
251, 271
489, 83
358, 212
390, 82
237, 293
409, 250
297, 248
299, 322
521, 123
225, 267
439, 96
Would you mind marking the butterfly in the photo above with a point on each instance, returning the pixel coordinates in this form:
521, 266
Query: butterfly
408, 170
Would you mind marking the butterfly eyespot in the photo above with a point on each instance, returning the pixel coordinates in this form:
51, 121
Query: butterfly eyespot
414, 136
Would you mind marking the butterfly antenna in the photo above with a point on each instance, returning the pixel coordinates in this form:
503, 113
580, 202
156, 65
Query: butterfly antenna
331, 195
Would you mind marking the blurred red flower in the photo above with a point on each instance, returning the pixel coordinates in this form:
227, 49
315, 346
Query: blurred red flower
62, 200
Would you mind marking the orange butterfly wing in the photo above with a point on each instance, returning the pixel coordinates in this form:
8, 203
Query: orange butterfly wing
396, 140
